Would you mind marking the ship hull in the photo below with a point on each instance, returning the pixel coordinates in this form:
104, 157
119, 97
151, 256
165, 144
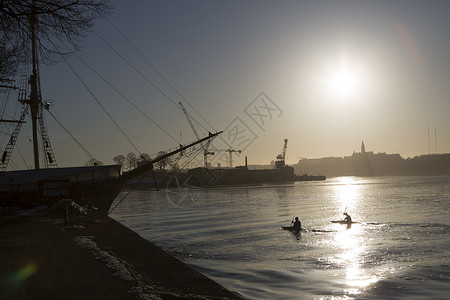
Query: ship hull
97, 186
244, 176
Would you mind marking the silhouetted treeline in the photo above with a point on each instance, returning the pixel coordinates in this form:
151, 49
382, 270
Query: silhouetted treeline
370, 164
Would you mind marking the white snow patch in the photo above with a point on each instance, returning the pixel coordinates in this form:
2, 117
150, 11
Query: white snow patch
73, 208
140, 294
73, 227
111, 261
120, 268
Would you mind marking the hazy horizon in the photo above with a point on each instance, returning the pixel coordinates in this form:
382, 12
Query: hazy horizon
330, 73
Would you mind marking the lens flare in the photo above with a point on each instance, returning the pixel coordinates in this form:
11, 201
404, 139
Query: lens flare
24, 273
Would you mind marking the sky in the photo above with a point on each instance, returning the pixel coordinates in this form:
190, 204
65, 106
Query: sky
326, 75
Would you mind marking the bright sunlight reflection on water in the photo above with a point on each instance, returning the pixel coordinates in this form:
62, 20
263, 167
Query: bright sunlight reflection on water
350, 241
347, 192
398, 250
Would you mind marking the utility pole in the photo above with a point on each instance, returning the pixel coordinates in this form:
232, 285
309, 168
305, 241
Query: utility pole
435, 139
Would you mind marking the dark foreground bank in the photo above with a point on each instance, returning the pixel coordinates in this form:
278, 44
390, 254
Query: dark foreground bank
40, 258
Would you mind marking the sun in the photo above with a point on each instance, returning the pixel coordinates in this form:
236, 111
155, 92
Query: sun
343, 80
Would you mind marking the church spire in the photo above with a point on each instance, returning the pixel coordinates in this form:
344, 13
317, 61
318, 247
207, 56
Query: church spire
363, 148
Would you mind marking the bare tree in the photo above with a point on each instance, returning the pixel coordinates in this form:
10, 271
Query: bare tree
119, 159
132, 160
94, 162
8, 61
59, 26
162, 164
145, 157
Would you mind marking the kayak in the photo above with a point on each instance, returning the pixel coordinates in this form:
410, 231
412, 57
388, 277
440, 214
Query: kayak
291, 228
344, 222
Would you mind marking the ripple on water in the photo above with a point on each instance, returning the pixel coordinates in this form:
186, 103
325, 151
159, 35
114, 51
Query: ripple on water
398, 251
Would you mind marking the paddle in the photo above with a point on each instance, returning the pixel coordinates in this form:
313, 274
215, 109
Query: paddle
289, 227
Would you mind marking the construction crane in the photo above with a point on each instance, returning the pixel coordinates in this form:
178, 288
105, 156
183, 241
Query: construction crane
205, 151
188, 117
230, 155
230, 151
281, 158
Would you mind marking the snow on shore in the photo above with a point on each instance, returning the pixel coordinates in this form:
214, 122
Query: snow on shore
114, 263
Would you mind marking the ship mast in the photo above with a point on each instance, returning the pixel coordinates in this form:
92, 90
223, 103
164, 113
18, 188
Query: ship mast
34, 96
35, 102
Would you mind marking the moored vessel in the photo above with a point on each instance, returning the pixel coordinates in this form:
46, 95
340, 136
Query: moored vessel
242, 175
47, 183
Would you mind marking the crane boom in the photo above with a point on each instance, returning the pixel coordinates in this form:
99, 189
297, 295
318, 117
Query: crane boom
230, 151
205, 151
281, 158
230, 155
188, 117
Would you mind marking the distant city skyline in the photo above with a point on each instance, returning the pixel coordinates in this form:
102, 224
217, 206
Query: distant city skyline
325, 75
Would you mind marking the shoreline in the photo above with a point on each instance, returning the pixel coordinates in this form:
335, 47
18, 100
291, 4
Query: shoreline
91, 258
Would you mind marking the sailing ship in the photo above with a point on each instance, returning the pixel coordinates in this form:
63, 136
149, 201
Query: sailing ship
97, 185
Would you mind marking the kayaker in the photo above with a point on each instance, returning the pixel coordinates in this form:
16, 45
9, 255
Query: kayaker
347, 219
297, 224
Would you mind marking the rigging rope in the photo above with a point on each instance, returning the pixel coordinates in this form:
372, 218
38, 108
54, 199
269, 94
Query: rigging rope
134, 68
21, 95
161, 75
99, 103
73, 137
140, 180
126, 195
124, 97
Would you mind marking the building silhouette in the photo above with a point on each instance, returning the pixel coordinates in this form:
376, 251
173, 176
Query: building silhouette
367, 163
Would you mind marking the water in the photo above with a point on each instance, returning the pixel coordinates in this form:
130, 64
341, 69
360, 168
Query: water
399, 250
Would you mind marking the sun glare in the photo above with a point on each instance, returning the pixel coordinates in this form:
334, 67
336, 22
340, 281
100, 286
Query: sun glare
343, 81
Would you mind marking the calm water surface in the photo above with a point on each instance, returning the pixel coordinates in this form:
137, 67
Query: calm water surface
399, 250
